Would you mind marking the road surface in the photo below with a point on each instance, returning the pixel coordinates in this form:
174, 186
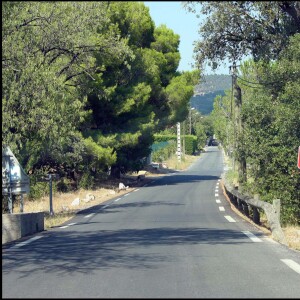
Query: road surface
173, 238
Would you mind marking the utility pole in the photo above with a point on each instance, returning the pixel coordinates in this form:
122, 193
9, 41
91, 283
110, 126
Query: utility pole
238, 129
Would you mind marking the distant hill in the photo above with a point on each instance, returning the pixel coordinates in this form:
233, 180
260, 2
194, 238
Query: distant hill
212, 83
205, 92
204, 103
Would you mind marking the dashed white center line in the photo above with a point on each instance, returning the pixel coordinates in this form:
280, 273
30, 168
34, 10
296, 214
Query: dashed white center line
218, 201
216, 195
90, 215
230, 219
126, 195
26, 242
105, 206
221, 208
252, 236
292, 264
118, 199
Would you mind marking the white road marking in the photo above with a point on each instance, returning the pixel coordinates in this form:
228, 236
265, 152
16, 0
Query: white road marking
216, 190
90, 215
27, 242
270, 240
136, 190
218, 201
293, 265
71, 224
105, 206
221, 208
230, 219
126, 195
117, 199
66, 226
216, 195
252, 236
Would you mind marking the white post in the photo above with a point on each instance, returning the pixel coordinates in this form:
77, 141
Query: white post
178, 142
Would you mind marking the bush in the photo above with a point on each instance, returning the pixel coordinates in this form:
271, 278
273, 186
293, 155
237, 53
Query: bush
190, 144
86, 181
163, 154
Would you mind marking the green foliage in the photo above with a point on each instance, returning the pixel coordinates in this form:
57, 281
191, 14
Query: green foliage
164, 137
234, 29
162, 154
190, 144
77, 102
97, 156
43, 67
271, 128
200, 135
38, 190
86, 181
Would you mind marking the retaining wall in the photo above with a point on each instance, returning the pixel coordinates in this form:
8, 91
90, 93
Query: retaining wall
18, 225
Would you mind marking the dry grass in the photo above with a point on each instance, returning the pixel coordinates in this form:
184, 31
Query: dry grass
292, 234
62, 203
185, 162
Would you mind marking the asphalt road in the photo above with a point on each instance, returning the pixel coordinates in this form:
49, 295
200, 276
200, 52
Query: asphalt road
174, 238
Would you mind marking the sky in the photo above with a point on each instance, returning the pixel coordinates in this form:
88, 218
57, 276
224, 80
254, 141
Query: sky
184, 23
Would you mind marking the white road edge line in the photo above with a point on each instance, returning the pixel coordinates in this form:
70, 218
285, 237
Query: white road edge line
136, 190
118, 199
230, 219
293, 265
90, 215
126, 195
105, 206
252, 236
27, 242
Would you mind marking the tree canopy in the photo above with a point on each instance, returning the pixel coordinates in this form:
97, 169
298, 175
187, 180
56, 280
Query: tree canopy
86, 84
235, 29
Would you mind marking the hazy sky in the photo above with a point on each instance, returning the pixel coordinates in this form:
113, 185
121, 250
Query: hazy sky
184, 23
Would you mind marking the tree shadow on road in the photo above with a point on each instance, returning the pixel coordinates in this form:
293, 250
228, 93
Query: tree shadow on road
64, 252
